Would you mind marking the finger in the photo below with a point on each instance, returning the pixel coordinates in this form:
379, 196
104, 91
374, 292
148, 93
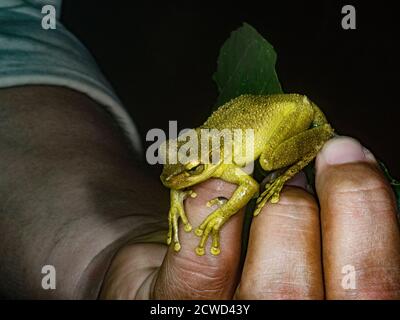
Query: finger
283, 257
184, 274
360, 235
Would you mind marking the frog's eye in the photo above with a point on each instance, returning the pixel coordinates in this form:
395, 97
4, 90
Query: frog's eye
191, 165
197, 169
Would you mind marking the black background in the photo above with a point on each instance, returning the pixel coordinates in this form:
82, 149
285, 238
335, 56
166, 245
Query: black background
160, 58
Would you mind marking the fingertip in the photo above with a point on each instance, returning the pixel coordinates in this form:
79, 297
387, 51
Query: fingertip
202, 271
342, 150
345, 164
369, 155
299, 180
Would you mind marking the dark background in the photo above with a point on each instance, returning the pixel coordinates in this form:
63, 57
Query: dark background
160, 58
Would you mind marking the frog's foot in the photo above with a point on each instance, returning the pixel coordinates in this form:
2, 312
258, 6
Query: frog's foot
174, 214
271, 193
212, 224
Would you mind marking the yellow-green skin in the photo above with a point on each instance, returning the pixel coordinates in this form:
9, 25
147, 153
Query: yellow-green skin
289, 130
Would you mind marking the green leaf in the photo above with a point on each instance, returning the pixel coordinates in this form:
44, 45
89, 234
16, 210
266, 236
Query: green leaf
246, 64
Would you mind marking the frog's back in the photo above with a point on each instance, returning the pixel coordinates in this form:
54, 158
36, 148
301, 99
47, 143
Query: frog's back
262, 113
249, 111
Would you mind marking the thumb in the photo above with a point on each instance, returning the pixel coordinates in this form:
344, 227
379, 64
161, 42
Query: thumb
359, 225
184, 274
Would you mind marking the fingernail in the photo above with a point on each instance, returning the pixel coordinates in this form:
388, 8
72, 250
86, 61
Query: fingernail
342, 150
299, 180
369, 155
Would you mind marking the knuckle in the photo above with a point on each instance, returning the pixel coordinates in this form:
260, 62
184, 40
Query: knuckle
373, 195
197, 280
374, 281
294, 199
357, 186
279, 285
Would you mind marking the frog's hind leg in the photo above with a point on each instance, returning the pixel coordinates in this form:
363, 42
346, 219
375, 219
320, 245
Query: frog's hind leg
294, 153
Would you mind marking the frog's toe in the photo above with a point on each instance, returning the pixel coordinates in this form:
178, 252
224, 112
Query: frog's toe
173, 227
211, 225
177, 246
169, 235
204, 237
219, 201
175, 241
275, 198
264, 194
215, 249
200, 251
198, 232
170, 226
187, 227
192, 194
271, 193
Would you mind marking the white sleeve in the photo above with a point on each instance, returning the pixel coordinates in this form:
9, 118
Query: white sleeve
31, 55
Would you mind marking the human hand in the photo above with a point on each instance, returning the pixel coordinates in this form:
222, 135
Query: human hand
295, 249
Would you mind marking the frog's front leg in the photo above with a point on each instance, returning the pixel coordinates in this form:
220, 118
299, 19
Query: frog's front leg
247, 187
177, 210
296, 153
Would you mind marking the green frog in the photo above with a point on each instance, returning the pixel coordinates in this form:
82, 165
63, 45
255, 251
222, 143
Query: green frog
288, 132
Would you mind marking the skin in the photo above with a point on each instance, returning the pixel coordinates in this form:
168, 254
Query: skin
94, 236
289, 130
